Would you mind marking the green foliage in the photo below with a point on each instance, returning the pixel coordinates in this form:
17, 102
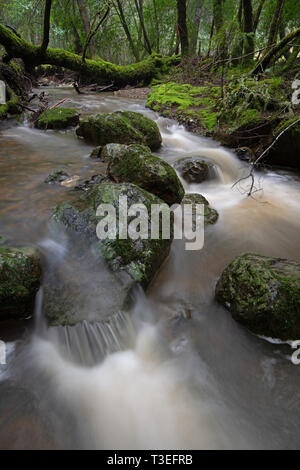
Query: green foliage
185, 100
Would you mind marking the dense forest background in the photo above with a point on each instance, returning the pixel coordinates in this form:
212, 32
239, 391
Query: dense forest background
126, 31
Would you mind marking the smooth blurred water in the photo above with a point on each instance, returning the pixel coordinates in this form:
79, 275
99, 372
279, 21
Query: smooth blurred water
189, 377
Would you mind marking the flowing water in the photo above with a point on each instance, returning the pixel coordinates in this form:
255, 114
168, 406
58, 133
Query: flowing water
178, 372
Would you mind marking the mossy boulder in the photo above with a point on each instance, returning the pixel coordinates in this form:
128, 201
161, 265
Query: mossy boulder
58, 118
135, 164
263, 294
140, 258
195, 169
20, 277
210, 215
122, 127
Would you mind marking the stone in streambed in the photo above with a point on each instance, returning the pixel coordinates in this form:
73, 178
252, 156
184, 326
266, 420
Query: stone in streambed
58, 118
210, 215
140, 258
122, 127
20, 277
56, 177
263, 294
135, 164
195, 169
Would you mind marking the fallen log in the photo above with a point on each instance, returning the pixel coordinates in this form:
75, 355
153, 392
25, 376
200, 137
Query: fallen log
98, 71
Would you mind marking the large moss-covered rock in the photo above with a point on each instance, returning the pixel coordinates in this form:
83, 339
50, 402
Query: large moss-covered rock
140, 258
210, 215
263, 294
122, 127
20, 276
58, 118
135, 164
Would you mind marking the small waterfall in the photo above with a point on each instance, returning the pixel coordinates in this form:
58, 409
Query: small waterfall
88, 343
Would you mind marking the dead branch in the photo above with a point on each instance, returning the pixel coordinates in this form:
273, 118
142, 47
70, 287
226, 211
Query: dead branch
253, 165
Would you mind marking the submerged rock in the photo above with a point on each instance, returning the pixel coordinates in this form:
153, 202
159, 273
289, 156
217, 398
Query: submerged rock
56, 177
135, 164
122, 127
20, 276
263, 294
195, 169
58, 118
210, 215
139, 258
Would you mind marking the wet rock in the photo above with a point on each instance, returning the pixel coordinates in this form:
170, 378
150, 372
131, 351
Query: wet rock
263, 294
56, 177
135, 164
210, 215
87, 184
140, 258
70, 182
195, 169
244, 153
96, 153
58, 118
122, 127
20, 276
287, 148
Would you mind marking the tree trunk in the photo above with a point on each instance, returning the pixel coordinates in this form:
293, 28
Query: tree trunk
139, 7
182, 27
275, 23
122, 17
267, 58
257, 15
156, 27
196, 22
86, 24
100, 72
218, 14
46, 31
248, 29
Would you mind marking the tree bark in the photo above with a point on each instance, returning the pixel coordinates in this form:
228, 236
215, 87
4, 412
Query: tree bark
122, 17
182, 27
139, 7
100, 72
248, 29
257, 15
46, 31
196, 22
267, 58
274, 27
86, 24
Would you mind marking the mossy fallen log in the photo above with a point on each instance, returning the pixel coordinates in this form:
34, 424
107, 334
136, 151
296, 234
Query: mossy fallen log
99, 71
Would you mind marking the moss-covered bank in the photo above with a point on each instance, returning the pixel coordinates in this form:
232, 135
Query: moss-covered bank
249, 112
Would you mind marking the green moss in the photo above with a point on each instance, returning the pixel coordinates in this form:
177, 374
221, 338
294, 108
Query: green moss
20, 276
263, 294
140, 258
122, 127
135, 164
58, 118
11, 107
294, 131
184, 100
